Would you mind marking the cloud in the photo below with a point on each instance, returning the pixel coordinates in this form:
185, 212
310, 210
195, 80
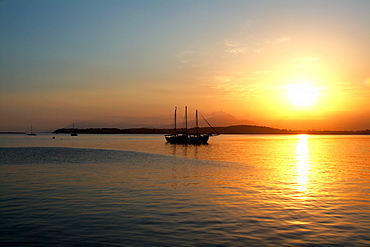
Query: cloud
278, 40
283, 40
235, 86
236, 50
235, 47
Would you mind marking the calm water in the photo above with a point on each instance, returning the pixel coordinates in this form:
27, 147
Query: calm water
136, 190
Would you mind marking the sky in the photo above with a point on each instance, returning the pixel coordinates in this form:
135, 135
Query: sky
285, 64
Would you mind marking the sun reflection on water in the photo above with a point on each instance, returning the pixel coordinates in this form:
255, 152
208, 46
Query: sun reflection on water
303, 164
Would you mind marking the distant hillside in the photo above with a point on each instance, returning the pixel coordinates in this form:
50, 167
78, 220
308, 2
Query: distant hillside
219, 118
236, 129
239, 129
223, 119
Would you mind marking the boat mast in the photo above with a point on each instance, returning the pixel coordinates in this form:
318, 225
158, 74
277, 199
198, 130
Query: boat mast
175, 120
196, 121
186, 120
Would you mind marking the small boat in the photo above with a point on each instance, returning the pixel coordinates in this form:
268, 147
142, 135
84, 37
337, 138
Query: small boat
188, 138
31, 133
74, 134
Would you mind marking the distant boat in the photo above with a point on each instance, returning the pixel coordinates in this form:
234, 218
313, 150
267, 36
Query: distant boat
74, 134
188, 138
31, 134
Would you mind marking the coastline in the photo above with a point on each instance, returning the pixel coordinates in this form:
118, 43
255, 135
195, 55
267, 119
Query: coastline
12, 132
238, 129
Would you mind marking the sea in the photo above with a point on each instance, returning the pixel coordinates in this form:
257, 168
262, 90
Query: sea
138, 190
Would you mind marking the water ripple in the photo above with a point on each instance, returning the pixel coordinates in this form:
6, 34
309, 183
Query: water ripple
95, 197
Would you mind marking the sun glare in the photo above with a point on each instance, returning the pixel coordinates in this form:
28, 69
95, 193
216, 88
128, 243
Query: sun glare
301, 95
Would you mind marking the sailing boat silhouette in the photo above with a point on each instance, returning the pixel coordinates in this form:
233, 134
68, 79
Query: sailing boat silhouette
31, 134
74, 134
187, 138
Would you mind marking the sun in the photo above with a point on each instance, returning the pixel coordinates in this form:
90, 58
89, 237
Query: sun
301, 95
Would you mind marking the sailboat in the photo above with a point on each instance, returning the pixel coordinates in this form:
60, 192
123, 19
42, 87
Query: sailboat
74, 133
187, 138
31, 134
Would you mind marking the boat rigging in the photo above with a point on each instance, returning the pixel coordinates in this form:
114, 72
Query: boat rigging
186, 138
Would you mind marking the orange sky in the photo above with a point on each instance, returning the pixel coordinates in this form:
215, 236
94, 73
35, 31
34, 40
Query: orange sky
66, 62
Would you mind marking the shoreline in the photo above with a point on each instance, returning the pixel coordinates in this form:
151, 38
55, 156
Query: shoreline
240, 129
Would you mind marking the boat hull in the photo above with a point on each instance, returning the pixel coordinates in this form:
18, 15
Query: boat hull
187, 139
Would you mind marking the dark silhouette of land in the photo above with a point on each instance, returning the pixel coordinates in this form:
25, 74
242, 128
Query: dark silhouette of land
236, 129
12, 132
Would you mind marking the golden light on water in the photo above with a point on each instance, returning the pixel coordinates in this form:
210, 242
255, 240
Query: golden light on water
303, 164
